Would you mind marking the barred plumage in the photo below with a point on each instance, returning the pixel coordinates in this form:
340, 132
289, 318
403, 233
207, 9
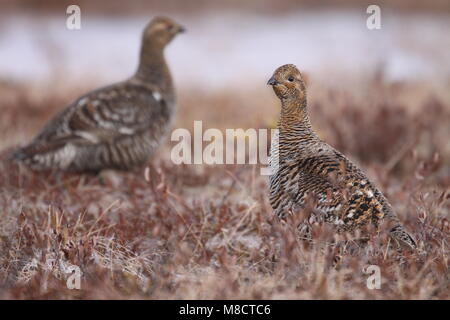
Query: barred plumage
115, 127
303, 165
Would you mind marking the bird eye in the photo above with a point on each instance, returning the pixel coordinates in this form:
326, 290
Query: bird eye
291, 79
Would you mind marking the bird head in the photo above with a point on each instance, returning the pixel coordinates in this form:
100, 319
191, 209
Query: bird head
287, 82
161, 30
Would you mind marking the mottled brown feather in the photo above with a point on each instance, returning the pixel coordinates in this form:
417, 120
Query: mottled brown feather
305, 166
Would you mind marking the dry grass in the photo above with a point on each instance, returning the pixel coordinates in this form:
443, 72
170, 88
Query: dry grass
198, 232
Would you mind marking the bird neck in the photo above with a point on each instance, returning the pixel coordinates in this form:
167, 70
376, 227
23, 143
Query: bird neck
152, 67
295, 130
294, 116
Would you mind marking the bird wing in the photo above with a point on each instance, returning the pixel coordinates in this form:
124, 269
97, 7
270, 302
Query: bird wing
106, 114
350, 197
344, 190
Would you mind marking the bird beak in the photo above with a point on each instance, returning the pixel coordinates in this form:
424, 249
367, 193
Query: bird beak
272, 82
181, 29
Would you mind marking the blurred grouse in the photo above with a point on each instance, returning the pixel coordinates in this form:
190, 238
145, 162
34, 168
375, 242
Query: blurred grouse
303, 165
114, 127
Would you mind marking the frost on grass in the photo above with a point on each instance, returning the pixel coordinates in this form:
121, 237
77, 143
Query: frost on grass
207, 232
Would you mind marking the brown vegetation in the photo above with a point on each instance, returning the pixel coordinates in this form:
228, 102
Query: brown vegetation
198, 232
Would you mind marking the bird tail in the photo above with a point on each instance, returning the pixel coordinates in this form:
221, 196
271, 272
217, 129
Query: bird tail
19, 155
30, 155
403, 238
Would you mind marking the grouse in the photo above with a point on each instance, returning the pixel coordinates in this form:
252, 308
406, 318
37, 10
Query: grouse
304, 167
115, 127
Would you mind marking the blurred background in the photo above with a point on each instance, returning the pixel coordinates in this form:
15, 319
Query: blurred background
222, 63
203, 232
229, 42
